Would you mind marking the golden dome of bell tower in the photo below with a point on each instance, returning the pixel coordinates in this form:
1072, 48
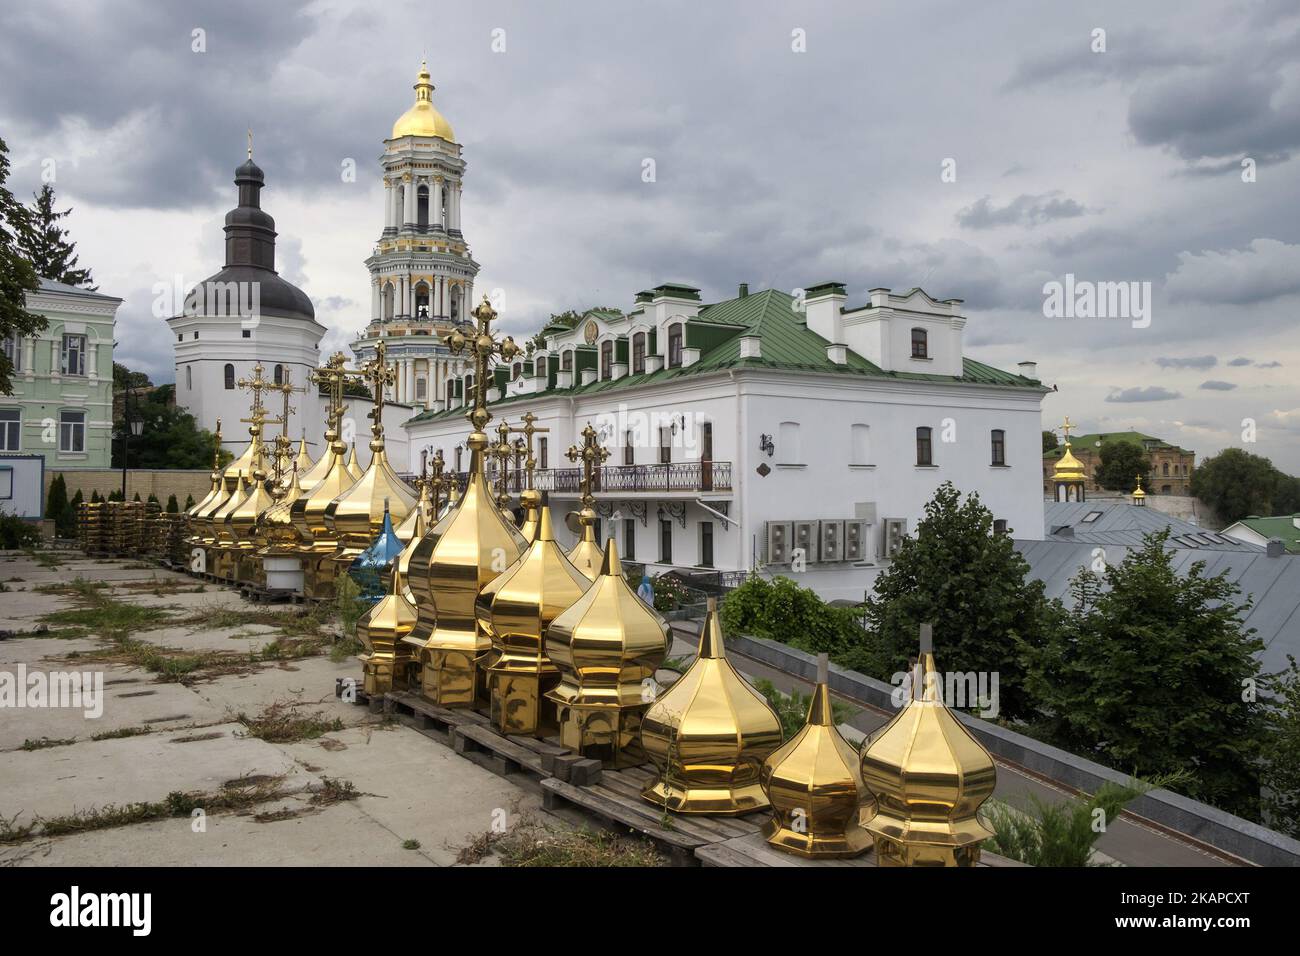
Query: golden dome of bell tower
1069, 478
422, 119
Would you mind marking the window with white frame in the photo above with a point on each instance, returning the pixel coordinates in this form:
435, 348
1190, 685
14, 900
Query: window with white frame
73, 361
11, 423
72, 430
860, 443
12, 346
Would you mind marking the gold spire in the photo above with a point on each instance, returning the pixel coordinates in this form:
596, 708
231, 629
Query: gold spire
586, 555
215, 477
353, 468
815, 786
519, 607
709, 735
464, 551
422, 119
607, 646
529, 498
929, 776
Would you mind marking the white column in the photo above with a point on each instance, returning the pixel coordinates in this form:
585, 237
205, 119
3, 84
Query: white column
388, 204
395, 206
374, 299
409, 214
456, 207
435, 204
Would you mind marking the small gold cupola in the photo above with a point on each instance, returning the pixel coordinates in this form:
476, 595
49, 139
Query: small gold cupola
381, 630
1139, 496
607, 646
709, 735
1069, 477
815, 786
929, 776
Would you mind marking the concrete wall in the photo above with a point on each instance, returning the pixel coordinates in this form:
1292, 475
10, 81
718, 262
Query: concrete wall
160, 483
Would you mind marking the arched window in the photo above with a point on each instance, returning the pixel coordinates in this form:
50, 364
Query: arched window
924, 450
386, 304
422, 207
420, 389
607, 359
638, 353
920, 346
787, 444
422, 301
998, 441
566, 361
1166, 469
279, 375
455, 303
675, 345
230, 376
860, 443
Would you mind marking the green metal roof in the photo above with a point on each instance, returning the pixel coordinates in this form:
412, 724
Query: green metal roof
1092, 440
1280, 526
786, 344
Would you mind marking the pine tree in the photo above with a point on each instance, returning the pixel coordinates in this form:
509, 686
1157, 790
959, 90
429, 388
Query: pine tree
47, 245
17, 276
189, 502
57, 504
172, 506
972, 584
1154, 674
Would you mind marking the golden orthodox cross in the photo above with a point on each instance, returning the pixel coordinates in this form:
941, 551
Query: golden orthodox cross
483, 347
379, 375
528, 431
1066, 426
592, 455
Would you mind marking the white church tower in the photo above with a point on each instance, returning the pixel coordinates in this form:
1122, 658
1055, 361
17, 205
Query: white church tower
421, 270
242, 315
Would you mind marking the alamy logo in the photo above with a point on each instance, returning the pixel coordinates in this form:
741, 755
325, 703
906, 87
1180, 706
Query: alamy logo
103, 909
1085, 299
77, 690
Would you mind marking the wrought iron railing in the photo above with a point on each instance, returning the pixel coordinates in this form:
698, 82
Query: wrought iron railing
617, 479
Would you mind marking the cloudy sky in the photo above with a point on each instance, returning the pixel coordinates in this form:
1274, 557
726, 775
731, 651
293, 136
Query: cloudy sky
977, 150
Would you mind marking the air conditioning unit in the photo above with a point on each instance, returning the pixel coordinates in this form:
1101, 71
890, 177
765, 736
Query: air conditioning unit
855, 539
805, 539
778, 542
832, 541
894, 531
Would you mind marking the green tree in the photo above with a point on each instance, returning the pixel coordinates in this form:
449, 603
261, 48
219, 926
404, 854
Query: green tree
972, 585
1121, 463
189, 502
1050, 441
783, 611
172, 506
56, 506
17, 275
1282, 755
124, 378
47, 245
169, 436
1237, 484
1149, 677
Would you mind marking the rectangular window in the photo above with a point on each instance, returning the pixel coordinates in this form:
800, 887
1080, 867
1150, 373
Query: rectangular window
607, 359
420, 389
665, 541
10, 429
638, 353
919, 349
629, 539
665, 446
629, 453
541, 452
74, 355
566, 361
999, 443
675, 346
72, 431
13, 350
923, 449
706, 544
6, 482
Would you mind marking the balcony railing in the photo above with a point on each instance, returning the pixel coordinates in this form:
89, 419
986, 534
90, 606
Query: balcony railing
701, 476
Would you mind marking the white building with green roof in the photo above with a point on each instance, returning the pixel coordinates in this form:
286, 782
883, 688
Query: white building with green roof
797, 434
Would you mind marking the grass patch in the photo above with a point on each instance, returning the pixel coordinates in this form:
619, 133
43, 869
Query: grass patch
44, 743
11, 833
334, 791
280, 723
410, 844
531, 843
122, 732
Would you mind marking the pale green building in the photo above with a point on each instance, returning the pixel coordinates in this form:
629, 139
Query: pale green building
62, 401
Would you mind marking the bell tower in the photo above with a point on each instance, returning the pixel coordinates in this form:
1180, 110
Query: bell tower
421, 270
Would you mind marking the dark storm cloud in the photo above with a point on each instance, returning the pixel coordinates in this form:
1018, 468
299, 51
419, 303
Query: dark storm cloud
1149, 393
1022, 211
1217, 386
1240, 361
1197, 362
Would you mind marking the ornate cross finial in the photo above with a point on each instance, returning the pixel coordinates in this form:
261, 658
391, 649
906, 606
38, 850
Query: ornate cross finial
502, 451
334, 376
1066, 426
379, 375
256, 385
216, 448
592, 455
250, 143
528, 431
483, 347
436, 484
283, 444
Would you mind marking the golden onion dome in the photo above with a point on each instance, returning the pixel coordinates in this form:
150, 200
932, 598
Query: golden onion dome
1068, 468
308, 512
276, 523
586, 554
516, 610
815, 786
929, 776
356, 516
309, 478
405, 531
422, 119
607, 646
709, 735
303, 460
402, 582
381, 631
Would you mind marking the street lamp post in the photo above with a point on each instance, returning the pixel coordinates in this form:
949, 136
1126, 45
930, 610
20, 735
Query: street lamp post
131, 425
